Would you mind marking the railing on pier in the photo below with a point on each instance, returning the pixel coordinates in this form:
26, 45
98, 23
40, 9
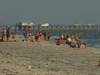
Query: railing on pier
51, 27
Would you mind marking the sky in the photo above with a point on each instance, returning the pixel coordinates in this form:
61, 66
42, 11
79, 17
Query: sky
50, 11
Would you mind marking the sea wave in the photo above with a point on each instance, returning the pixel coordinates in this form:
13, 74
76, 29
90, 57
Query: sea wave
95, 43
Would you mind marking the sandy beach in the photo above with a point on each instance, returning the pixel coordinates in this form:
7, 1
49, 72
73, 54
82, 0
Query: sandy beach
47, 58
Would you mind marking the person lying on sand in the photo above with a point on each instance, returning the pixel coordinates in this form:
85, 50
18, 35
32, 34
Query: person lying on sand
71, 45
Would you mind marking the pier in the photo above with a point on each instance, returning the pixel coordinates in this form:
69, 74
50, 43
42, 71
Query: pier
51, 27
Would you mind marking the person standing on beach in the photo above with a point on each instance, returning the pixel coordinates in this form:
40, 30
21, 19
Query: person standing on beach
65, 38
72, 37
62, 37
8, 34
25, 34
49, 36
37, 36
45, 34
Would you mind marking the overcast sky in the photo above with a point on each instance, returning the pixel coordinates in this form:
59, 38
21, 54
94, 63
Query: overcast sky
50, 11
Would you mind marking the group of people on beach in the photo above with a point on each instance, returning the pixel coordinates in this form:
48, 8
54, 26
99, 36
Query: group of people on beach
64, 38
5, 35
68, 40
36, 36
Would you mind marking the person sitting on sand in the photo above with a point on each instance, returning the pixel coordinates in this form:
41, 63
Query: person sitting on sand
58, 42
68, 40
29, 38
80, 44
13, 35
83, 46
78, 41
3, 35
0, 37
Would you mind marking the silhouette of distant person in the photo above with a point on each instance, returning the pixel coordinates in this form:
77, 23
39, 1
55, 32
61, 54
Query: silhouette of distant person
8, 34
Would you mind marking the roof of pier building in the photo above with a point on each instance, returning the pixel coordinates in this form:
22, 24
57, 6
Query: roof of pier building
25, 23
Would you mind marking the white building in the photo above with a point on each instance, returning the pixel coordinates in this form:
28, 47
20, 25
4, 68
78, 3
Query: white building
46, 24
25, 23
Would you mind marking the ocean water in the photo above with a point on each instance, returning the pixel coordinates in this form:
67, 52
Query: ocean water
93, 39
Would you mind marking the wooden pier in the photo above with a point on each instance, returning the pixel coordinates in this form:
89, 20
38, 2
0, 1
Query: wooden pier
51, 27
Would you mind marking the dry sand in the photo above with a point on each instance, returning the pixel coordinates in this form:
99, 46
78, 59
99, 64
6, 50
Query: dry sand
46, 58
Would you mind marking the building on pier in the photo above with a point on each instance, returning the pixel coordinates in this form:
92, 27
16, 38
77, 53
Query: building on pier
24, 24
46, 24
